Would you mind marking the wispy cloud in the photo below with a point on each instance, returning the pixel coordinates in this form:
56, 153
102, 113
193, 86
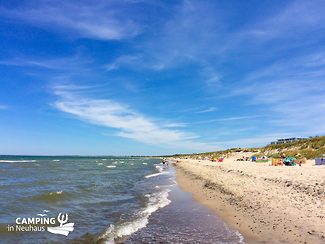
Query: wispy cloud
185, 38
62, 63
291, 90
3, 107
207, 110
285, 23
126, 60
128, 123
227, 119
102, 20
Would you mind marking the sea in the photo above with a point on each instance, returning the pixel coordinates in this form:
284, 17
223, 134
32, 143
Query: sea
101, 200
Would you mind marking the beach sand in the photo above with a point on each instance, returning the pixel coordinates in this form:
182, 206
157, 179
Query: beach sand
267, 204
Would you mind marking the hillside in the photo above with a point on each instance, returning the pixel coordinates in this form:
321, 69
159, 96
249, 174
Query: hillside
309, 148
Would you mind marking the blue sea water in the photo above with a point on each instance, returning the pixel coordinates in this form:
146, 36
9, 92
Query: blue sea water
109, 200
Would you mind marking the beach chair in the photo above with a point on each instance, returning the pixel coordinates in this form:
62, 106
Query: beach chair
320, 161
277, 162
301, 161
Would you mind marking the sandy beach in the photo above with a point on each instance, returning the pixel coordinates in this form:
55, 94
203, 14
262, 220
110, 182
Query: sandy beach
267, 204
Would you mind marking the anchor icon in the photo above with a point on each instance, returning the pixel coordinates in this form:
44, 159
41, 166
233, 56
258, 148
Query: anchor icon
63, 229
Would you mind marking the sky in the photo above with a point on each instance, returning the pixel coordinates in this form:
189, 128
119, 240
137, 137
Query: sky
142, 77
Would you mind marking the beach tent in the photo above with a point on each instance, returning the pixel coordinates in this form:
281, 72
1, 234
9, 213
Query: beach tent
254, 159
289, 161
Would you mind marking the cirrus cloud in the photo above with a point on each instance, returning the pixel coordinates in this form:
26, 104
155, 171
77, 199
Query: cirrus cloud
127, 122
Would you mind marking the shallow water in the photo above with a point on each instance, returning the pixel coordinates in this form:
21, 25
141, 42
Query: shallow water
184, 221
108, 199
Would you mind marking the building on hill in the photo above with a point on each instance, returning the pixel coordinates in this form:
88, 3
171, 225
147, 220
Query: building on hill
287, 140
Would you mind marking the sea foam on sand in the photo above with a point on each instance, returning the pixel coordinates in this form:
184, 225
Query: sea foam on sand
155, 202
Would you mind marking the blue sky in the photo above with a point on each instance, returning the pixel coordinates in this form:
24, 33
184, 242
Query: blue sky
130, 77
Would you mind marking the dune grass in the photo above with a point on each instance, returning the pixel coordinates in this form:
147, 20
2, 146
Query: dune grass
309, 148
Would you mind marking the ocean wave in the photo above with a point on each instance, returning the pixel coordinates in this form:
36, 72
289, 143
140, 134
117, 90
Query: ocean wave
17, 161
100, 164
144, 163
155, 202
240, 236
110, 166
156, 174
160, 168
49, 197
56, 160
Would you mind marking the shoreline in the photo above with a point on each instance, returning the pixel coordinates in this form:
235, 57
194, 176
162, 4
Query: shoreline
183, 220
265, 204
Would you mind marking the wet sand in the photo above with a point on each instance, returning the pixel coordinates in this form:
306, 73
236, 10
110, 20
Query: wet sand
265, 203
185, 221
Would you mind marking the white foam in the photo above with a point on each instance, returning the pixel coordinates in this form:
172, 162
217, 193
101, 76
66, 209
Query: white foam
144, 163
156, 174
57, 192
17, 161
56, 160
160, 168
156, 201
110, 166
236, 232
100, 164
240, 236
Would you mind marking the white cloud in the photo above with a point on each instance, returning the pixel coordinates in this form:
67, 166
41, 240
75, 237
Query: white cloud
295, 18
64, 63
127, 122
227, 119
191, 35
3, 107
291, 91
207, 110
94, 19
127, 60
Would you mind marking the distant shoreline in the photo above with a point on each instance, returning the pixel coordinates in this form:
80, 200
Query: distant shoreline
265, 203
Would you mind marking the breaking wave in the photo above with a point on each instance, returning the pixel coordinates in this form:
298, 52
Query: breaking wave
155, 202
50, 197
17, 161
153, 175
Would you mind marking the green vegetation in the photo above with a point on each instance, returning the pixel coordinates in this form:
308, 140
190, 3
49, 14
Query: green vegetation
309, 148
